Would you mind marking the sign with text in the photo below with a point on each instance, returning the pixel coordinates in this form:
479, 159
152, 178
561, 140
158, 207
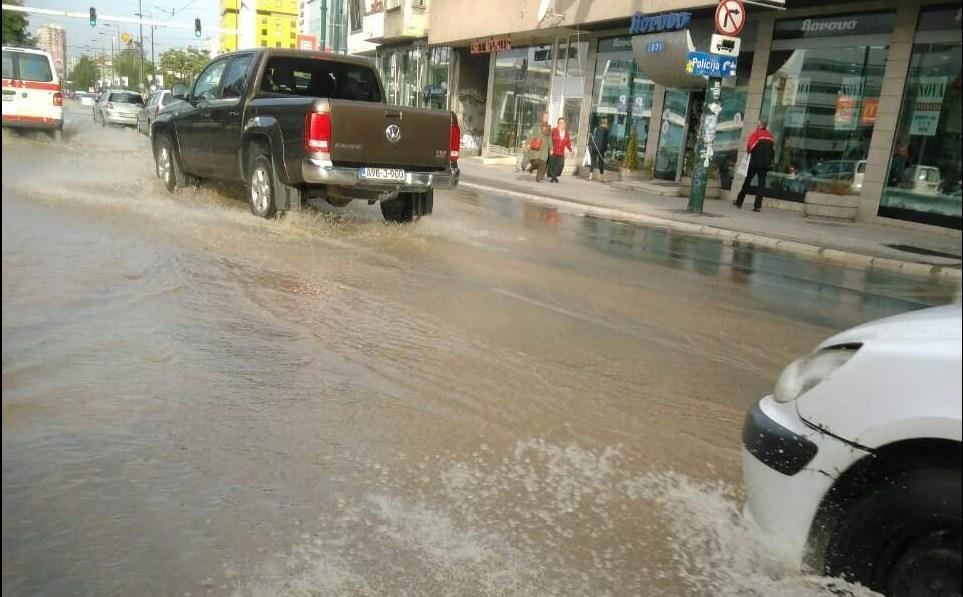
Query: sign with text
710, 65
834, 26
491, 44
307, 42
659, 23
867, 115
929, 105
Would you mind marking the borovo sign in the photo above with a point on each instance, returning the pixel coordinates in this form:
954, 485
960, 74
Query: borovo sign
491, 44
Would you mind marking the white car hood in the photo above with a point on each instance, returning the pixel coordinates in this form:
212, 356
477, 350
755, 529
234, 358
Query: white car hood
936, 323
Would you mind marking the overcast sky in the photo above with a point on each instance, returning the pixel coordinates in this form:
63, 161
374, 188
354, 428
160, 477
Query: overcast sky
81, 36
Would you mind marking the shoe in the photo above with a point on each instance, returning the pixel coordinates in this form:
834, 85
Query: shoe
756, 209
737, 204
591, 177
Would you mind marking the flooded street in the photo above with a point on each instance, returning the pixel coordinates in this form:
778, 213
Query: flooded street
501, 399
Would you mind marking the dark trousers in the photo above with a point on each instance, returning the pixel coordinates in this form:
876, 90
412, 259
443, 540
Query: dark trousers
538, 167
760, 187
555, 165
598, 163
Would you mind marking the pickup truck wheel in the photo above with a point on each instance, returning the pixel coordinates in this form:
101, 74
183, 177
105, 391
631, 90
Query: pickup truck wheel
261, 187
167, 168
401, 209
903, 538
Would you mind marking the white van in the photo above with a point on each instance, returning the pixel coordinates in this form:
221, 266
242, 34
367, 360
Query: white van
32, 97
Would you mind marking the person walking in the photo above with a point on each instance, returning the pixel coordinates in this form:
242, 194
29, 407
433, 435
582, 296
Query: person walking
539, 140
561, 143
760, 147
598, 144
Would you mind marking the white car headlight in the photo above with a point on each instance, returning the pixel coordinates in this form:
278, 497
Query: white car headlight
807, 372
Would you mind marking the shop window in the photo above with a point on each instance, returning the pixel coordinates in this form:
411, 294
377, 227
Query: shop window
623, 96
520, 94
822, 88
923, 178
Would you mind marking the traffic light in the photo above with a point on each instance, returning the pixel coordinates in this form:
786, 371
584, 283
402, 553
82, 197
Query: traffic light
197, 27
93, 16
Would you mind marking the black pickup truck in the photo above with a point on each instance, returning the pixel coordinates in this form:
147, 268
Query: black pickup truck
295, 125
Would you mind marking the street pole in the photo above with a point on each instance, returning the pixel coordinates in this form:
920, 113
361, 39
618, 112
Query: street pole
140, 42
153, 71
704, 151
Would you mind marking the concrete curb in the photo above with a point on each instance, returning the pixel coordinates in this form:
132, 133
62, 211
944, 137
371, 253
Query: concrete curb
822, 254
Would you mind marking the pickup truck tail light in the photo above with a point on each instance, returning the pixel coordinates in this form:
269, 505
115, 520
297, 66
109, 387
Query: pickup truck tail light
454, 143
58, 98
317, 132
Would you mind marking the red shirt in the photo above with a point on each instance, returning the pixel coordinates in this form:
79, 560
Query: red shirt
757, 136
559, 143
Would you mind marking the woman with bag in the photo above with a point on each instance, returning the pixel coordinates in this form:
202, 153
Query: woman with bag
538, 142
561, 143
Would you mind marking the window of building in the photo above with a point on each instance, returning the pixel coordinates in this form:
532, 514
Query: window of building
822, 88
623, 96
355, 15
263, 31
293, 35
263, 43
277, 44
520, 93
923, 183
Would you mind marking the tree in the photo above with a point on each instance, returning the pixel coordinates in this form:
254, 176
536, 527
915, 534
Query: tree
127, 63
15, 27
84, 75
181, 66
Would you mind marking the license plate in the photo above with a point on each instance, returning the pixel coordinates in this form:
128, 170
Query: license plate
383, 173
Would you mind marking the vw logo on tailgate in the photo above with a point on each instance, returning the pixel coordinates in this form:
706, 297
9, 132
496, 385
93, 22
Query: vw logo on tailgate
393, 133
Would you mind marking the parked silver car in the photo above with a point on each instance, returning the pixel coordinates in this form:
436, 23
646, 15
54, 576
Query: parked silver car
118, 106
155, 103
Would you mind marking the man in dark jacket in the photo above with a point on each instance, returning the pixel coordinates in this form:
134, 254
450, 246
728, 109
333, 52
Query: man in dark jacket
597, 146
761, 147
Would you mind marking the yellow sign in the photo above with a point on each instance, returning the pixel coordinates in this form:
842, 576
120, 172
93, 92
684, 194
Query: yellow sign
125, 37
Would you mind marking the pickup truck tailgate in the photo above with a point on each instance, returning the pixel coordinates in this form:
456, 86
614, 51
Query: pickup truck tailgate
360, 136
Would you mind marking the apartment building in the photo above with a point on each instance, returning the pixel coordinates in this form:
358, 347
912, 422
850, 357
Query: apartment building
52, 38
261, 23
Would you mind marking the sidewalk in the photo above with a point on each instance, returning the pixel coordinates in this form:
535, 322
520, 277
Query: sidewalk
857, 245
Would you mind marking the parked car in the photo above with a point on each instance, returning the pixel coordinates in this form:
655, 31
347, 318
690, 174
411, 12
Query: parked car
118, 106
295, 125
852, 465
32, 98
925, 180
849, 172
155, 103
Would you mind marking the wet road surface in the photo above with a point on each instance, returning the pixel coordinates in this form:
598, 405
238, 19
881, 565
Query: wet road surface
502, 399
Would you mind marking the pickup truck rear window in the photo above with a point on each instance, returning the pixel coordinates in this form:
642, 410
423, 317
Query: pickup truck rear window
320, 78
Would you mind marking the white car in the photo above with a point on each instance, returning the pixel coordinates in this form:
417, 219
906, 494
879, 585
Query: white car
852, 465
32, 97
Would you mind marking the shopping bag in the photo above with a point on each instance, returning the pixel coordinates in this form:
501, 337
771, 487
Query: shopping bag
587, 160
743, 169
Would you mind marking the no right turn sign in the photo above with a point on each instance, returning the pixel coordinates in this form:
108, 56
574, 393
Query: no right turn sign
730, 17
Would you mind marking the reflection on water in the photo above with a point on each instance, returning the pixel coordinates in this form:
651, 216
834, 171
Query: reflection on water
819, 293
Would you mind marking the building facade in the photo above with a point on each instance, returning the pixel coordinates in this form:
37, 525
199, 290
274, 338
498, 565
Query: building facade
864, 98
53, 39
326, 22
261, 24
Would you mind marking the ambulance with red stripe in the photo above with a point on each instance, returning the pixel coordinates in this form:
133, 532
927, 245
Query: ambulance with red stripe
32, 97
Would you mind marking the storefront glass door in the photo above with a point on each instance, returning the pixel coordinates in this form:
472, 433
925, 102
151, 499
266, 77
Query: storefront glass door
520, 94
668, 156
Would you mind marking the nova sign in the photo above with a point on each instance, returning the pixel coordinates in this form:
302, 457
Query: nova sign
669, 21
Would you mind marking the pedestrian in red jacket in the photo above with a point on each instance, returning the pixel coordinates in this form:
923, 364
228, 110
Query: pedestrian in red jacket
560, 143
761, 148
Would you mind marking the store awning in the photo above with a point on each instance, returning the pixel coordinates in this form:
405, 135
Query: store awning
663, 56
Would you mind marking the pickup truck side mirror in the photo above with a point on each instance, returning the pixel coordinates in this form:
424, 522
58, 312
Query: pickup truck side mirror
179, 91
